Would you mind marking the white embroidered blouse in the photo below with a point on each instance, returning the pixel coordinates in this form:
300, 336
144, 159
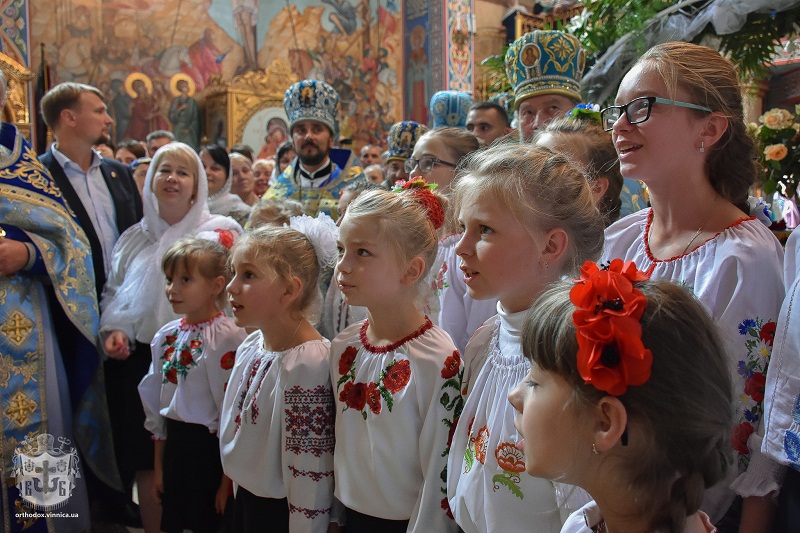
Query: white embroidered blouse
189, 373
276, 428
395, 407
738, 276
487, 485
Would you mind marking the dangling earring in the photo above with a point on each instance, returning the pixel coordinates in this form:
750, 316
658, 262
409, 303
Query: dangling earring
702, 146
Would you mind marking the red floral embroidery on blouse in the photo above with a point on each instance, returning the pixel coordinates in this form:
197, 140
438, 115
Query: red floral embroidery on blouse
170, 339
347, 359
509, 457
354, 395
446, 508
195, 344
374, 398
451, 365
172, 375
767, 333
482, 444
452, 431
186, 358
227, 360
754, 386
740, 435
397, 376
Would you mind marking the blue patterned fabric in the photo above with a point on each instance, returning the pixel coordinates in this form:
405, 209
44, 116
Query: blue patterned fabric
33, 210
545, 62
402, 138
633, 196
324, 198
311, 100
450, 108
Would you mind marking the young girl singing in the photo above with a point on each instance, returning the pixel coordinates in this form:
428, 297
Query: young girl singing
182, 393
276, 426
396, 375
528, 219
628, 396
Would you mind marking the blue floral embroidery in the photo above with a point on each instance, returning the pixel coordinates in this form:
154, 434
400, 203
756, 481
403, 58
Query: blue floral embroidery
745, 326
791, 441
759, 335
743, 370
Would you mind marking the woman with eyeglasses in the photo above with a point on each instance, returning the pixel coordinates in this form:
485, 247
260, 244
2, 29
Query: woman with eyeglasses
678, 126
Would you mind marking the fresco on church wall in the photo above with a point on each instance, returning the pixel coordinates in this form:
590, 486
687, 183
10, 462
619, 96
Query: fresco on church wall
13, 30
418, 90
137, 51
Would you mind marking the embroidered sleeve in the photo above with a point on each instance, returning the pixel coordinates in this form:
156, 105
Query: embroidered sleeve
782, 395
150, 386
308, 436
219, 364
746, 306
440, 416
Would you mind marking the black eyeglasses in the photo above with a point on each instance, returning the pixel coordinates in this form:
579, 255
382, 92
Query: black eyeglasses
425, 164
638, 110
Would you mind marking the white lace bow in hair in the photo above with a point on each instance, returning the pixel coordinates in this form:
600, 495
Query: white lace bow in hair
323, 234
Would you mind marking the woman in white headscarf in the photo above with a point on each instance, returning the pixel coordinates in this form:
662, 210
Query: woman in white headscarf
221, 201
134, 305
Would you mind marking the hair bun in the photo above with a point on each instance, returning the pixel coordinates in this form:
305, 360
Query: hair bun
422, 192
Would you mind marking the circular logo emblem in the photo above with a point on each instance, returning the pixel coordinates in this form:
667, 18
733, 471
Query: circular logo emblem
45, 473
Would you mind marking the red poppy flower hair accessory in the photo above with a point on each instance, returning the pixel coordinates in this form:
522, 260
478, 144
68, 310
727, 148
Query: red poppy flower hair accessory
223, 237
422, 191
611, 355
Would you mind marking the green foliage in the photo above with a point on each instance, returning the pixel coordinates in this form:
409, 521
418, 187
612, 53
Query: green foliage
751, 47
604, 22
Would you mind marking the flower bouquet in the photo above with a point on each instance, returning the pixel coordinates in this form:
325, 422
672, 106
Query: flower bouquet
778, 140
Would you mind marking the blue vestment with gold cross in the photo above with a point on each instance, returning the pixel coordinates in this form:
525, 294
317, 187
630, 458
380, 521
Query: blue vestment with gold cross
325, 198
44, 387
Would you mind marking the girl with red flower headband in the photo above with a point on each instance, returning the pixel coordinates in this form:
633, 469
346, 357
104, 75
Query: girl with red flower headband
679, 128
629, 396
528, 218
182, 393
276, 427
397, 377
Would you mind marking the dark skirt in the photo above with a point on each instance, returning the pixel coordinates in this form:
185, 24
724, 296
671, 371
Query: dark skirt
192, 475
787, 517
132, 444
361, 523
254, 514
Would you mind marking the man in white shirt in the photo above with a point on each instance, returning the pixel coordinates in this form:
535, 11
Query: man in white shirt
100, 191
103, 195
